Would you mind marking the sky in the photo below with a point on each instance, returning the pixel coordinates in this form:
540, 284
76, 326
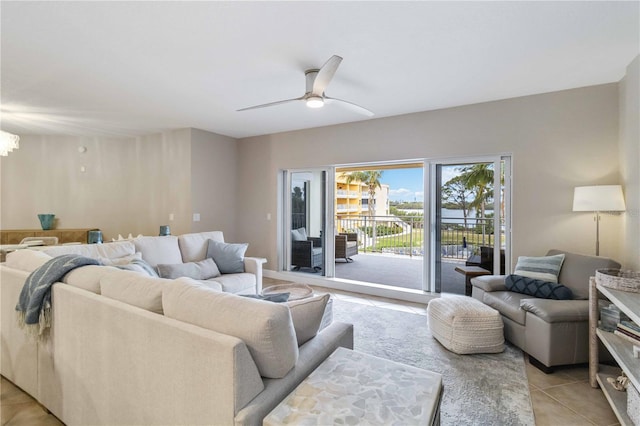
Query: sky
407, 184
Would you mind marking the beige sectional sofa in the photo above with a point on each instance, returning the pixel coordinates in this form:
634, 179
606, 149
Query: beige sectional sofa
126, 348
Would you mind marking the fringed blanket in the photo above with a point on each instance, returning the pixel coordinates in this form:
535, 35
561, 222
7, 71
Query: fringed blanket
34, 305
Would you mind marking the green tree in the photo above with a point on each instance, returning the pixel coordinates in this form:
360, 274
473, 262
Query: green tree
371, 178
456, 192
479, 179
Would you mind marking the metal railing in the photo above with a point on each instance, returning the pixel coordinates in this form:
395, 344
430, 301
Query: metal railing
403, 235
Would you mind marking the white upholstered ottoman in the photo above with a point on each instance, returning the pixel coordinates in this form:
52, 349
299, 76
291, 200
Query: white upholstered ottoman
465, 325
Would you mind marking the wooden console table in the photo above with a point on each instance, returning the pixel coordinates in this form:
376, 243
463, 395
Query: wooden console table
14, 236
470, 272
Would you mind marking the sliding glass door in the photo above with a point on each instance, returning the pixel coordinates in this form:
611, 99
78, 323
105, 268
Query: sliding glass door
470, 205
304, 221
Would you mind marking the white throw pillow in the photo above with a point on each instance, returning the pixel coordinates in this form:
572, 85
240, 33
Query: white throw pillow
194, 246
299, 234
266, 328
27, 260
307, 315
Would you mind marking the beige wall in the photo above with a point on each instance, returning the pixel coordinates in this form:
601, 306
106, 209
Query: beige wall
129, 185
629, 163
558, 141
214, 187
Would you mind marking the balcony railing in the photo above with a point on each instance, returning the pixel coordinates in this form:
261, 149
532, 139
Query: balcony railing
403, 235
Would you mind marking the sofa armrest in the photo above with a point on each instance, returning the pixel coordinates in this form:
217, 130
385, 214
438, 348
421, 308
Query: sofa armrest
489, 283
253, 265
551, 310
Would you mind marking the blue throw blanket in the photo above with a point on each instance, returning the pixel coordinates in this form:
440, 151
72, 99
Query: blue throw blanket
34, 305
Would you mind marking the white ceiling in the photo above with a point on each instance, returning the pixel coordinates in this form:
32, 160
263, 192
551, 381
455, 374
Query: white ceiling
132, 68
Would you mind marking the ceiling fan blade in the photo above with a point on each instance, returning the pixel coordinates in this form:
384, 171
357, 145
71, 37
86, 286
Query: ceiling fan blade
270, 104
325, 74
351, 106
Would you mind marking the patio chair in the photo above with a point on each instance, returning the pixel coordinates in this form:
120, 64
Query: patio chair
346, 246
306, 252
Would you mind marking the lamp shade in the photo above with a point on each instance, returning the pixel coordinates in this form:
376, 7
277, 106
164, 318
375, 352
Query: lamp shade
599, 198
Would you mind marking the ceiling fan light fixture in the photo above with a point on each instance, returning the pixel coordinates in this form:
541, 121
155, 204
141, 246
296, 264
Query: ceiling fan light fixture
315, 102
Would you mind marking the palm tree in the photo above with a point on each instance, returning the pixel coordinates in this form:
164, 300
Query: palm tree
371, 178
479, 178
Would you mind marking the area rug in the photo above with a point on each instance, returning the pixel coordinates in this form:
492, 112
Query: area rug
484, 389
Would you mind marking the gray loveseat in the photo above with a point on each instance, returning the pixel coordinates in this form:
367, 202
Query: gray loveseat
552, 332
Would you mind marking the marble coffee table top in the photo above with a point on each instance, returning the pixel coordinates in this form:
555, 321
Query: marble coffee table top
352, 388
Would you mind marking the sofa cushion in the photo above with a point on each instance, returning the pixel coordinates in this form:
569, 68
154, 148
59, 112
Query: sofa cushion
546, 268
211, 285
202, 270
95, 251
141, 266
88, 277
228, 257
266, 328
537, 288
157, 250
507, 303
552, 311
27, 260
194, 246
237, 283
134, 289
307, 316
577, 269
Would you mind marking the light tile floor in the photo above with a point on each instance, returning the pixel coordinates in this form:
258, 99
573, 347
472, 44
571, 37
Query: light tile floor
562, 398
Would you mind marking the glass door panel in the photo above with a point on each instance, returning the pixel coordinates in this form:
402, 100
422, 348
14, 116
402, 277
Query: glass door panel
470, 232
306, 220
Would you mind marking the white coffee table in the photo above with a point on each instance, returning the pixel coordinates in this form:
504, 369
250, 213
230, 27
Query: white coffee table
352, 388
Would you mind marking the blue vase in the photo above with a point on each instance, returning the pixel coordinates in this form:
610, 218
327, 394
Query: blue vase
94, 237
46, 221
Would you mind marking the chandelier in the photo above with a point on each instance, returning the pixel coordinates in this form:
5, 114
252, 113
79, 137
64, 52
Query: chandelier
8, 142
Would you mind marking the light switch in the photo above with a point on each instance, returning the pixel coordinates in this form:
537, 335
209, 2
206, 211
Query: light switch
171, 216
196, 217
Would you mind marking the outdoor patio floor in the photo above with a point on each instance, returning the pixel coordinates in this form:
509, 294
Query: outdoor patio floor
398, 271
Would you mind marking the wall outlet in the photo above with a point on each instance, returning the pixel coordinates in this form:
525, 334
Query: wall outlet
196, 217
171, 216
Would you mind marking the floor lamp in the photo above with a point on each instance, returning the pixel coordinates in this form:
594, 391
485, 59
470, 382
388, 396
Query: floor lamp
596, 199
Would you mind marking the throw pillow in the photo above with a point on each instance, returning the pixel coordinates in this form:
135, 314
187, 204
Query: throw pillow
202, 270
141, 266
119, 261
274, 297
306, 315
545, 268
537, 288
299, 234
228, 257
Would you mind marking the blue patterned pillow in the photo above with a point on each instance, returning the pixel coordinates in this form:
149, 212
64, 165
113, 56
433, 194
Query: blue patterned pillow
537, 288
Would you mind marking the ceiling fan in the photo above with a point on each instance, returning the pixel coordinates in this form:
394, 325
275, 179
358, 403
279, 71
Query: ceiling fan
317, 81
